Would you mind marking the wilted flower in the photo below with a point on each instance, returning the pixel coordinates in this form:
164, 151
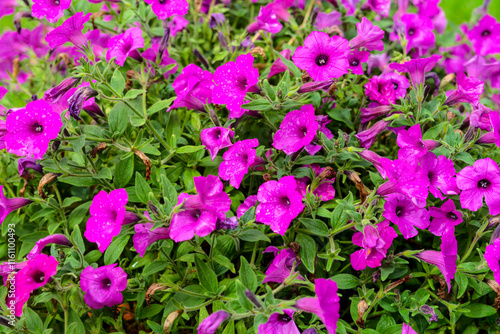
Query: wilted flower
481, 180
193, 88
70, 31
280, 323
266, 20
367, 137
237, 160
375, 242
401, 211
374, 110
124, 45
28, 163
282, 265
279, 203
103, 285
52, 10
425, 309
326, 305
216, 19
145, 236
322, 56
233, 81
7, 205
55, 94
297, 130
30, 129
369, 36
167, 8
485, 37
215, 139
59, 239
210, 324
468, 90
230, 223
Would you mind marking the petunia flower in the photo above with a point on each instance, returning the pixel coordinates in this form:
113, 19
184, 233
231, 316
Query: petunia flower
380, 90
418, 31
59, 239
30, 129
215, 139
326, 305
124, 45
193, 88
492, 257
374, 158
426, 309
282, 265
249, 202
485, 37
153, 52
167, 8
446, 217
52, 10
375, 242
399, 83
278, 66
70, 31
327, 20
374, 110
411, 143
7, 7
369, 36
323, 57
23, 164
356, 59
266, 20
77, 100
441, 174
401, 211
446, 259
417, 68
7, 205
381, 7
56, 93
210, 324
216, 20
314, 148
407, 329
280, 323
350, 6
177, 24
468, 90
145, 236
279, 203
107, 215
324, 189
367, 137
103, 285
230, 223
481, 180
297, 130
237, 160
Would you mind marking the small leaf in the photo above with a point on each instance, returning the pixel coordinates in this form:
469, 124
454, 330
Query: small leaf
118, 82
189, 149
160, 105
124, 171
33, 321
115, 249
154, 267
225, 262
259, 104
206, 276
308, 248
479, 310
118, 118
254, 235
142, 188
77, 239
70, 200
247, 275
346, 281
133, 93
295, 70
315, 226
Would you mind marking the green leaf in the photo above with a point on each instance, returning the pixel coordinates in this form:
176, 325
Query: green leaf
461, 281
342, 115
118, 82
254, 235
104, 173
168, 190
118, 118
346, 281
465, 157
154, 267
479, 310
70, 200
315, 226
116, 248
206, 276
77, 215
240, 292
295, 70
189, 149
308, 248
259, 104
435, 131
157, 328
76, 236
74, 319
78, 181
160, 105
124, 171
133, 93
247, 275
142, 188
225, 262
79, 144
269, 90
33, 321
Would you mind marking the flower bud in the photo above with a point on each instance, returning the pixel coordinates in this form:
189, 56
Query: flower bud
164, 42
54, 94
17, 19
201, 58
75, 102
253, 298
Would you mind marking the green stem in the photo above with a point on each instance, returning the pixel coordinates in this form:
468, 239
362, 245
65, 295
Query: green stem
479, 234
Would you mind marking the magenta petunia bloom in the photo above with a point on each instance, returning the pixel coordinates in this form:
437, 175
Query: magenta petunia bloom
367, 137
198, 214
215, 139
177, 24
322, 120
237, 160
441, 174
107, 215
165, 9
249, 202
411, 143
481, 180
418, 31
50, 9
446, 217
407, 329
23, 164
356, 59
193, 88
468, 90
327, 20
230, 223
103, 285
369, 36
326, 305
70, 31
279, 323
233, 81
297, 130
492, 257
58, 92
380, 90
124, 45
417, 68
278, 66
59, 239
485, 37
323, 57
279, 203
210, 324
324, 188
152, 53
495, 125
145, 235
399, 83
401, 211
281, 267
374, 158
446, 259
30, 129
374, 110
7, 205
375, 242
7, 7
266, 20
381, 7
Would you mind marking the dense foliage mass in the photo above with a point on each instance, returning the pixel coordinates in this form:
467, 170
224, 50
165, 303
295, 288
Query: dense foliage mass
248, 167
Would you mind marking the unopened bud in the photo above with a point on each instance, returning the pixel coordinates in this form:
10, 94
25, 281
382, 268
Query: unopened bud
75, 102
201, 58
153, 208
253, 298
164, 42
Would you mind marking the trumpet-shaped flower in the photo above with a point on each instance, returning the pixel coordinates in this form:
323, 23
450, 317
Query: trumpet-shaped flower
417, 68
237, 160
282, 265
50, 9
210, 324
492, 257
468, 90
445, 218
266, 20
440, 173
103, 285
485, 37
167, 8
124, 45
215, 139
297, 130
59, 239
369, 36
7, 205
193, 88
375, 242
401, 211
70, 31
280, 323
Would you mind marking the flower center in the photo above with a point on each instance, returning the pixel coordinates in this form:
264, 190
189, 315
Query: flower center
411, 32
399, 211
395, 85
106, 283
57, 2
452, 215
304, 130
162, 1
431, 177
39, 276
483, 183
38, 127
321, 60
218, 133
196, 214
241, 83
486, 33
354, 62
284, 318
